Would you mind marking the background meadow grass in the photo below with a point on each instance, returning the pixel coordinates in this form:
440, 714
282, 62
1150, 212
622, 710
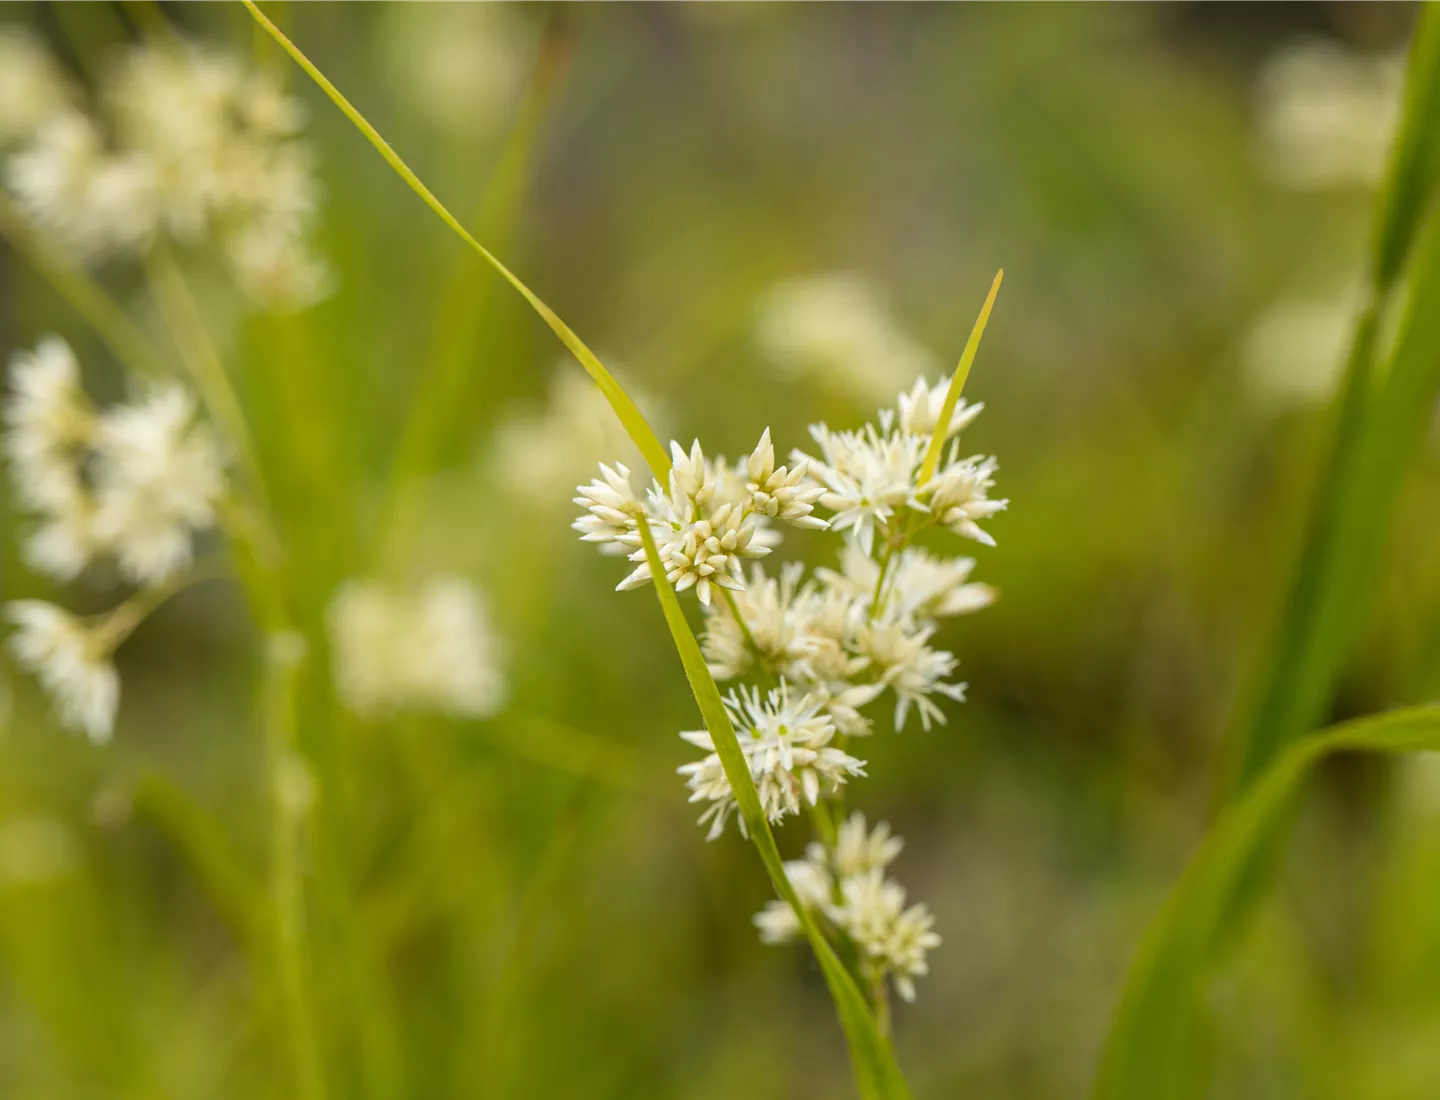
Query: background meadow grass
524, 906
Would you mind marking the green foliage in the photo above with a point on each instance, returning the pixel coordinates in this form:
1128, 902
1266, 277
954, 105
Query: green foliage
1154, 1050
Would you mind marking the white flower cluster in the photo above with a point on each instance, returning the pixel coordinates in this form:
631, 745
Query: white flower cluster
817, 650
845, 888
135, 482
1327, 116
837, 329
711, 516
185, 142
430, 647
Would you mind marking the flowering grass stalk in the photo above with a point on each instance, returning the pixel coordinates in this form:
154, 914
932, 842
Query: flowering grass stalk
888, 480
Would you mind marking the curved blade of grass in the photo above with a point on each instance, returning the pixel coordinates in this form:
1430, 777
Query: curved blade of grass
111, 324
1152, 1052
957, 383
630, 416
876, 1073
1379, 422
198, 839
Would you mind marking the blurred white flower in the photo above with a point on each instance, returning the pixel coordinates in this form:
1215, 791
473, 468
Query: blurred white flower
810, 877
767, 606
460, 65
538, 457
1327, 117
32, 87
914, 671
1294, 355
94, 200
276, 268
845, 888
429, 647
72, 662
48, 425
786, 742
158, 478
837, 329
859, 850
919, 586
890, 936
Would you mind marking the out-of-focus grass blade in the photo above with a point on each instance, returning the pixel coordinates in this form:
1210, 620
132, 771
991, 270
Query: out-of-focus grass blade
1152, 1052
1415, 158
233, 891
630, 416
876, 1073
957, 383
431, 419
110, 322
1378, 423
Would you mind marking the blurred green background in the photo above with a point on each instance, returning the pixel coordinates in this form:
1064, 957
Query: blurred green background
524, 906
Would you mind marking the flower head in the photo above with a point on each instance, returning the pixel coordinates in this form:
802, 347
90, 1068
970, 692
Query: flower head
32, 87
786, 742
71, 661
913, 670
158, 478
920, 409
891, 937
431, 647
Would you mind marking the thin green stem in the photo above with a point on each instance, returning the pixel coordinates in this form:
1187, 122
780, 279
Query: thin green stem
120, 622
630, 416
286, 886
187, 326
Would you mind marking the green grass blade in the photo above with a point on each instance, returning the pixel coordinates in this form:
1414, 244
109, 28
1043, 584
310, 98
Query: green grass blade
876, 1073
630, 416
1152, 1052
431, 419
1410, 180
129, 345
957, 383
1378, 426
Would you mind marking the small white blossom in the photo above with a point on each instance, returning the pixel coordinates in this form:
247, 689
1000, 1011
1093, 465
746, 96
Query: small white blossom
427, 648
890, 936
72, 663
460, 66
767, 606
32, 87
910, 668
781, 493
612, 511
810, 877
859, 850
958, 497
158, 478
868, 476
920, 409
276, 268
1328, 117
919, 586
48, 424
1294, 354
838, 330
787, 746
537, 455
93, 200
